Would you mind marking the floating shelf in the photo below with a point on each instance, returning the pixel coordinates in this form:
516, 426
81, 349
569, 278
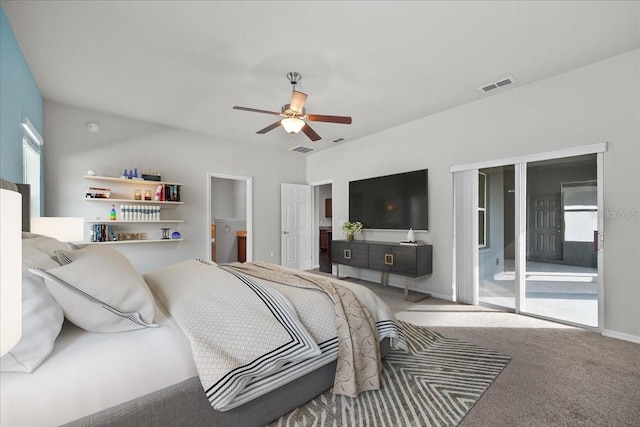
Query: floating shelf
122, 242
119, 221
150, 202
129, 181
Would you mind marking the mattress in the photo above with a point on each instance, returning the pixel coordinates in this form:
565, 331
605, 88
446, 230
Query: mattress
112, 369
89, 372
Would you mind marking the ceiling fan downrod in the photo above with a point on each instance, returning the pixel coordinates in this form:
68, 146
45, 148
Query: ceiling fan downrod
294, 77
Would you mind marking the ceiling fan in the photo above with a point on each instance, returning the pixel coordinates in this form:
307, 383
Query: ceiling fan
294, 113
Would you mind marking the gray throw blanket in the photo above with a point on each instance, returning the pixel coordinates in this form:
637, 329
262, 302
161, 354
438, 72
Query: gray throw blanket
359, 364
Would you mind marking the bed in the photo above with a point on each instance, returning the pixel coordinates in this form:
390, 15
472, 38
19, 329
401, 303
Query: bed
158, 372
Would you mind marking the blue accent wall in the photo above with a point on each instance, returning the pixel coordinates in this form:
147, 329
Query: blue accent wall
19, 96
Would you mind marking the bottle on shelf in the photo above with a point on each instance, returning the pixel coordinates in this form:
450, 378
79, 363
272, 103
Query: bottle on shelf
112, 213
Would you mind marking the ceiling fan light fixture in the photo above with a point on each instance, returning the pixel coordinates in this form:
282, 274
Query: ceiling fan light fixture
292, 125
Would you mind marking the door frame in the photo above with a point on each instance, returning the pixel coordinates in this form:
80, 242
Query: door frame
249, 207
315, 209
520, 163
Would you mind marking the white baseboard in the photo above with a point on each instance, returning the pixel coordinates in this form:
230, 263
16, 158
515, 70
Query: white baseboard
621, 336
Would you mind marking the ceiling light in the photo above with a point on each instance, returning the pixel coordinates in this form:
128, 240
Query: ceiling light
292, 125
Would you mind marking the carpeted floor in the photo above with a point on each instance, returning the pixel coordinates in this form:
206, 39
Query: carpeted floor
558, 375
435, 383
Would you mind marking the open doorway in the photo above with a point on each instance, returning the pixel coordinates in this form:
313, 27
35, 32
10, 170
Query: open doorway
323, 232
230, 217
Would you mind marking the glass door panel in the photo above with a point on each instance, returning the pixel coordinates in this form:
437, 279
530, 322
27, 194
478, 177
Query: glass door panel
496, 236
561, 277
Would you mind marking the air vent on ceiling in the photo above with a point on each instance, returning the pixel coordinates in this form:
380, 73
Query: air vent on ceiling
337, 140
496, 85
301, 149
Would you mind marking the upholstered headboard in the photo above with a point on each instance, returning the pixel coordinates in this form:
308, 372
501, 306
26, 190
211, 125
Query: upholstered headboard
25, 190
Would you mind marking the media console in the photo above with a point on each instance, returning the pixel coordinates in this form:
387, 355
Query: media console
388, 258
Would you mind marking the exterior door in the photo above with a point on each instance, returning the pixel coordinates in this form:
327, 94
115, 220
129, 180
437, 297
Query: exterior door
545, 228
296, 226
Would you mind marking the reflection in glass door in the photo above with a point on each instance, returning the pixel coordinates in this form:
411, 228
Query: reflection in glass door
496, 236
561, 277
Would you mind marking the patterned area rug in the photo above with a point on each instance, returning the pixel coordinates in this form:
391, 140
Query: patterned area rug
435, 384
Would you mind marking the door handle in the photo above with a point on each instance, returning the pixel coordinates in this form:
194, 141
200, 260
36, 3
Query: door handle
388, 259
285, 232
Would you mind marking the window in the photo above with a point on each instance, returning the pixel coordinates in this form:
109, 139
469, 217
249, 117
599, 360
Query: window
482, 210
580, 209
31, 147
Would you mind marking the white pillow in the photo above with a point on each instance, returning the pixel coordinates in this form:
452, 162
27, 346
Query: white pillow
100, 291
42, 317
45, 244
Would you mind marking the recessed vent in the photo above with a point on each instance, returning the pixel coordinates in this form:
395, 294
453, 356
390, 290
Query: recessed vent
301, 149
496, 85
337, 140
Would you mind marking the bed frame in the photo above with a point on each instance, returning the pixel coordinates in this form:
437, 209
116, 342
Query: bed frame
185, 404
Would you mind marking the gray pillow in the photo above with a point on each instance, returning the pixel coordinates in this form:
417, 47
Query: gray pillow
42, 317
100, 291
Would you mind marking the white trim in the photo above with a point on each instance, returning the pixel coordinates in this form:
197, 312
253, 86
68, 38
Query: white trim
321, 182
601, 249
32, 132
249, 208
520, 226
315, 239
621, 336
599, 147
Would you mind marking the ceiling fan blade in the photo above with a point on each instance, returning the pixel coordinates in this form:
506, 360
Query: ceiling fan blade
297, 101
330, 119
310, 132
235, 107
270, 127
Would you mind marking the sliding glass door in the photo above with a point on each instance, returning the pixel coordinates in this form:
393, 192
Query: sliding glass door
496, 236
538, 238
561, 278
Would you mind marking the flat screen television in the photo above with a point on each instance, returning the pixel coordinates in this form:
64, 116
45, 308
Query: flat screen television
391, 202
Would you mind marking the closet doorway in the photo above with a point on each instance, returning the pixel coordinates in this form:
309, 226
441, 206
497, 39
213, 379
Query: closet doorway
230, 220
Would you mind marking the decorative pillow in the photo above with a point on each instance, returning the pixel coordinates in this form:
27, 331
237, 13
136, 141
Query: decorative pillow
100, 291
42, 317
45, 244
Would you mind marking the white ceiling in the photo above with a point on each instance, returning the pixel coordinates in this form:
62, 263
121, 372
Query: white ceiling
186, 63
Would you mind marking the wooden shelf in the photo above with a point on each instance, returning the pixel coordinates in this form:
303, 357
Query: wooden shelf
129, 181
123, 242
119, 221
150, 202
121, 224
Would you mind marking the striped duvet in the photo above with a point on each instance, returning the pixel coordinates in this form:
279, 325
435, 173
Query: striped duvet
248, 335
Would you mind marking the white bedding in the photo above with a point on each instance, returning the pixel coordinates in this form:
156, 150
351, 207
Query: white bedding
89, 372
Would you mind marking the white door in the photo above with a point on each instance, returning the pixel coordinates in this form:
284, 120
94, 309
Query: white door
296, 229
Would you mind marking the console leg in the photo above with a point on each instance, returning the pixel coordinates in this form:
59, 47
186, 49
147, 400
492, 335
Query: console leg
413, 296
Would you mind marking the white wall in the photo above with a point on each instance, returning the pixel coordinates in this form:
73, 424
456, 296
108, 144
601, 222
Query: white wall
181, 157
599, 102
228, 198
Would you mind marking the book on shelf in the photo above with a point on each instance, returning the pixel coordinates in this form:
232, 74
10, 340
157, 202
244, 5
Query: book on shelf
97, 193
411, 242
171, 193
102, 233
